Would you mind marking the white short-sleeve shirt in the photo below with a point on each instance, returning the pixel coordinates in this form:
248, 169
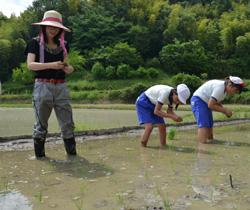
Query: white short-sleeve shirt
159, 93
211, 89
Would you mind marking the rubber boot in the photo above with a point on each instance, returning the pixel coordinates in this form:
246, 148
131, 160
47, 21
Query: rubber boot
39, 147
70, 146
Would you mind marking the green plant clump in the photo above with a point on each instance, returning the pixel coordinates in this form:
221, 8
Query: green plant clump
171, 133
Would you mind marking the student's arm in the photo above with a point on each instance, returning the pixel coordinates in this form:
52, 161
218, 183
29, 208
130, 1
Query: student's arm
218, 107
169, 114
36, 66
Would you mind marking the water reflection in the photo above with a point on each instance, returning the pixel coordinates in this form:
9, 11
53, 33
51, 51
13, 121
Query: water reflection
201, 175
80, 167
174, 148
147, 189
13, 200
231, 143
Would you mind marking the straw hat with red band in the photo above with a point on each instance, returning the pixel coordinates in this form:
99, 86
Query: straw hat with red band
52, 18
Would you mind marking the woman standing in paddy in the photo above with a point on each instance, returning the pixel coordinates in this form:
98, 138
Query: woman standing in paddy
207, 98
46, 56
149, 108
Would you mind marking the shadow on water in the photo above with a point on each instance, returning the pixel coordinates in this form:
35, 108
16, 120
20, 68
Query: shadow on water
180, 149
230, 143
78, 166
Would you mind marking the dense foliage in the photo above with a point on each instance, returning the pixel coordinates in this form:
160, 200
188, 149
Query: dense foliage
129, 39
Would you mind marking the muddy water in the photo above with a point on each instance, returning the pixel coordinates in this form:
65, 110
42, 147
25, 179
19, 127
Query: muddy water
22, 119
116, 173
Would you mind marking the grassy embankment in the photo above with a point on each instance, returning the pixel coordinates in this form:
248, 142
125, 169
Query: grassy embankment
83, 91
109, 94
99, 92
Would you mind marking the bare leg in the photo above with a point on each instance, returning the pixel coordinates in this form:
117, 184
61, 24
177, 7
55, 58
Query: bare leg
162, 133
146, 134
210, 135
203, 135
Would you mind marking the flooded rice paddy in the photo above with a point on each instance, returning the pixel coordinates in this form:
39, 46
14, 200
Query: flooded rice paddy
116, 173
22, 120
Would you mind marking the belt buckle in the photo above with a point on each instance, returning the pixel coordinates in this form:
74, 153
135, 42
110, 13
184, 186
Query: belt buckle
53, 81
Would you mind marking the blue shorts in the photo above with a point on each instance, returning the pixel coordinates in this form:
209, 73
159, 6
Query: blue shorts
202, 113
145, 111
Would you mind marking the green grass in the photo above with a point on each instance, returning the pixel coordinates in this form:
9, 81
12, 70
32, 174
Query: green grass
102, 94
240, 111
99, 91
84, 91
80, 127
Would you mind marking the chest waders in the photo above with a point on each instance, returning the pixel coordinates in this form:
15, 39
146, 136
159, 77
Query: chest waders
47, 97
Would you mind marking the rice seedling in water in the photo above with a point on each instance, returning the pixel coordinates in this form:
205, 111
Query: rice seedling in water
39, 196
4, 186
79, 199
120, 199
171, 133
165, 201
79, 205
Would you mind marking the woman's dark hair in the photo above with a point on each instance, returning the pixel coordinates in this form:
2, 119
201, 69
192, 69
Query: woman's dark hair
55, 39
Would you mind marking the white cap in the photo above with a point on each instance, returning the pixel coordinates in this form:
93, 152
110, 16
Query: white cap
237, 81
183, 93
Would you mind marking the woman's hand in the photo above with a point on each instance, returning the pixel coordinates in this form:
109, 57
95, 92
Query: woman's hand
37, 66
67, 68
57, 65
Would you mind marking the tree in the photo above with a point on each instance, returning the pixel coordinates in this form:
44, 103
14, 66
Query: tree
139, 37
123, 71
208, 34
230, 33
181, 25
5, 59
222, 6
23, 74
117, 8
76, 60
2, 18
188, 57
243, 45
17, 52
121, 53
192, 81
98, 71
95, 30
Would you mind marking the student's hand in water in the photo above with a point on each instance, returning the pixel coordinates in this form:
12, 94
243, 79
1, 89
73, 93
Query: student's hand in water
228, 112
176, 118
